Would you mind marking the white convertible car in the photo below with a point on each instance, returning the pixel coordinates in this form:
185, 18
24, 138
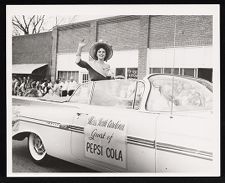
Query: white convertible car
162, 123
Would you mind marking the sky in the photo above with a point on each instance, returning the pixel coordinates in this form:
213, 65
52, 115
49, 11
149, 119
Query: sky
88, 12
51, 20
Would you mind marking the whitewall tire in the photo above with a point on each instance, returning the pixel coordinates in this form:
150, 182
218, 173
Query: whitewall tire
36, 148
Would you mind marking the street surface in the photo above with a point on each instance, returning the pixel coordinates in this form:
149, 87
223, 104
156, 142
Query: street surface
22, 162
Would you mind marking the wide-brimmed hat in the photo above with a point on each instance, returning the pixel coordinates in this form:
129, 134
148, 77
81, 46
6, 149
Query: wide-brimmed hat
100, 44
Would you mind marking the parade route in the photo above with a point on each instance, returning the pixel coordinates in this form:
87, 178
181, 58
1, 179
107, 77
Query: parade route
23, 164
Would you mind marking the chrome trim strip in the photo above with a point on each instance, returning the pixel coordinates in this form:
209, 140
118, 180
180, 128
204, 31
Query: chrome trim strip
76, 129
182, 149
186, 154
27, 121
71, 127
143, 145
130, 140
140, 142
42, 120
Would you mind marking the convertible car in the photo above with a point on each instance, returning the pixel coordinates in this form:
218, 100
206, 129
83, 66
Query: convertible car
162, 123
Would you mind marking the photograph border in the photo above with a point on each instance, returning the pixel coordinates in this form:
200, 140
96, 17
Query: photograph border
152, 8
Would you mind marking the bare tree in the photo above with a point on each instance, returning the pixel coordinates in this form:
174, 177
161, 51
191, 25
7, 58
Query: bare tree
59, 20
28, 24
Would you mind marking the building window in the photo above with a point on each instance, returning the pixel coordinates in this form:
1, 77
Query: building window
85, 78
132, 73
68, 74
155, 70
75, 75
188, 72
167, 70
62, 74
175, 71
205, 73
120, 72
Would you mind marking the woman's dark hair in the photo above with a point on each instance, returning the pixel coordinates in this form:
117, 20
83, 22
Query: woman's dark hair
104, 48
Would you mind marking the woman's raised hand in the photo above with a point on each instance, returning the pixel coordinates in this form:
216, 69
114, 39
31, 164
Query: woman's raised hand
79, 50
82, 43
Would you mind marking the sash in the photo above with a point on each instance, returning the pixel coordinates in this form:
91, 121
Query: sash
97, 67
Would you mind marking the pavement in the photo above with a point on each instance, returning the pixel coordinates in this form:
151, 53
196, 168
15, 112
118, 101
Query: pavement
21, 162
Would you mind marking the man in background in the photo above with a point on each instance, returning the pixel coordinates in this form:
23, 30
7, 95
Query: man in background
71, 86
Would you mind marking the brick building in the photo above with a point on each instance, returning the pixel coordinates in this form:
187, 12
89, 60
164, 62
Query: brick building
31, 54
141, 44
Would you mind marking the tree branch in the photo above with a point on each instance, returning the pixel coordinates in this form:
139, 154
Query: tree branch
31, 20
35, 25
26, 27
42, 20
17, 23
29, 25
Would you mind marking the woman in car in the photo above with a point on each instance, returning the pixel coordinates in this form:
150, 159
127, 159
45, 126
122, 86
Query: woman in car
101, 52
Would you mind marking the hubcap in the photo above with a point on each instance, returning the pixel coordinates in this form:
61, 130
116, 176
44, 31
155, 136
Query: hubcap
38, 145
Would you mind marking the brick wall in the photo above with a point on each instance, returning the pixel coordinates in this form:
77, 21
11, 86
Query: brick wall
121, 32
53, 66
70, 36
190, 31
143, 45
138, 32
36, 48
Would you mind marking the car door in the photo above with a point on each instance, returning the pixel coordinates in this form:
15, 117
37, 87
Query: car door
81, 99
84, 151
184, 135
114, 138
184, 142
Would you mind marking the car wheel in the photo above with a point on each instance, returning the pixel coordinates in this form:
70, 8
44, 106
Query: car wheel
36, 148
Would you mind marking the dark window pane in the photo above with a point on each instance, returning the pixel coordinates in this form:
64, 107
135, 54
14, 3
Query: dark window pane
189, 72
173, 71
69, 75
167, 70
120, 72
60, 74
156, 70
176, 71
205, 74
85, 78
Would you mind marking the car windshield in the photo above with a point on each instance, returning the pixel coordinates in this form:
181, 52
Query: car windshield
82, 93
186, 94
118, 93
54, 98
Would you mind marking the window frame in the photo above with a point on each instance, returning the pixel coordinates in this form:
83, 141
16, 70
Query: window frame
125, 71
85, 77
197, 80
135, 96
126, 74
90, 93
